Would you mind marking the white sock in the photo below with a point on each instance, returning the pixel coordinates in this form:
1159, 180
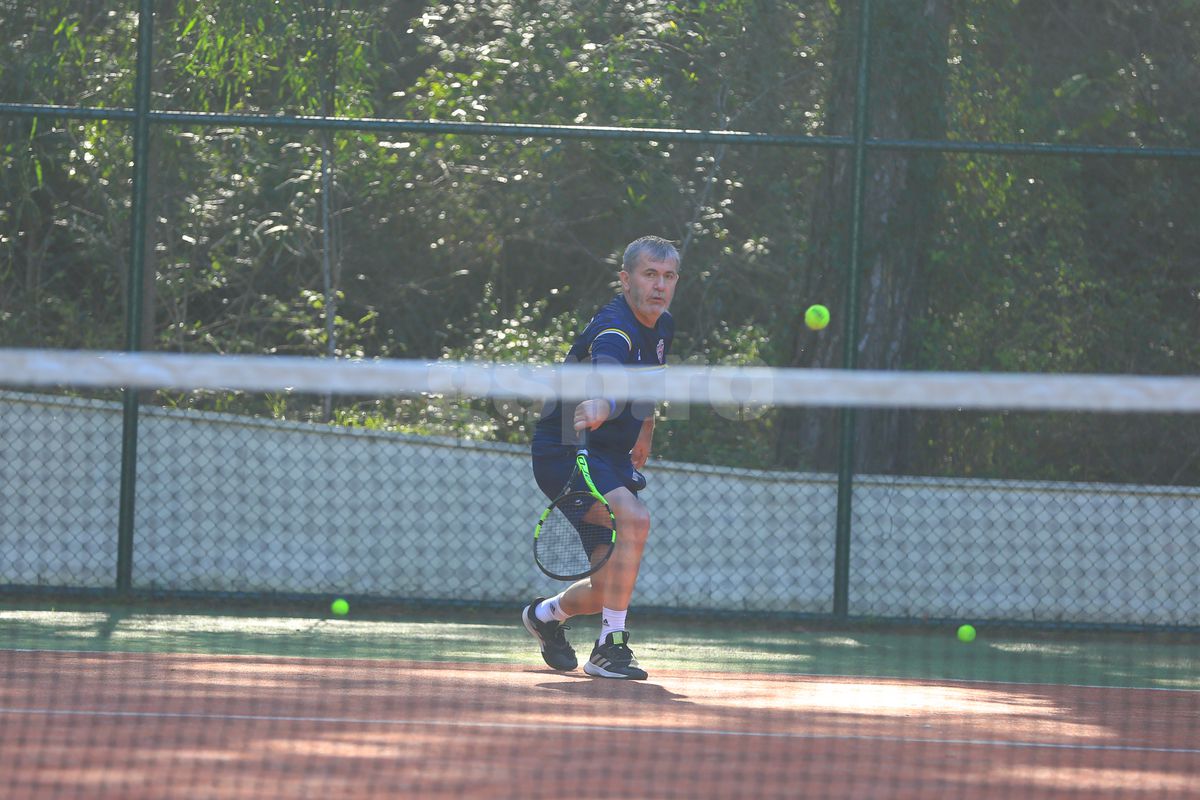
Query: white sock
551, 609
611, 621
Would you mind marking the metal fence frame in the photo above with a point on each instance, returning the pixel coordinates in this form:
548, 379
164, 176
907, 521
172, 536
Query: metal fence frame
142, 116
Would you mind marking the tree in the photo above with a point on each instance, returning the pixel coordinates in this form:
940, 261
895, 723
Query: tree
908, 83
1057, 264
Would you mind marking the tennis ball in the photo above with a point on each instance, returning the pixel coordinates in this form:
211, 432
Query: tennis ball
340, 607
966, 633
817, 317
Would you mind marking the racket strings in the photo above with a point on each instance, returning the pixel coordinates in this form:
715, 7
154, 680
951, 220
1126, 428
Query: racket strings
567, 543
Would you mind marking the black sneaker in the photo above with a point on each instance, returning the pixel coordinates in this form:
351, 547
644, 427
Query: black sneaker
612, 658
556, 650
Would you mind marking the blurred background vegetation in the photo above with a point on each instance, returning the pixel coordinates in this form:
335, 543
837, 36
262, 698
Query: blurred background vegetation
367, 245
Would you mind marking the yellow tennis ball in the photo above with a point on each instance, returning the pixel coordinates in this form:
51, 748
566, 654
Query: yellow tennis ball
966, 633
340, 607
817, 317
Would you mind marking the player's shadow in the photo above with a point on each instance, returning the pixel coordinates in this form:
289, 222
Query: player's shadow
608, 689
108, 626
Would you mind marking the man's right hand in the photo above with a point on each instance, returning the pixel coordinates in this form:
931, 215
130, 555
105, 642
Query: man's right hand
591, 414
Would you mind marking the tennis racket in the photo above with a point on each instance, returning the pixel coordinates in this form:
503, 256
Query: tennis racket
577, 533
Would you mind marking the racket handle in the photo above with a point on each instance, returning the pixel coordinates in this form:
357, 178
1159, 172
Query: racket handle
583, 440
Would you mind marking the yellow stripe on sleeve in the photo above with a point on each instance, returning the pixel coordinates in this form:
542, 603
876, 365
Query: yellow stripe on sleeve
618, 332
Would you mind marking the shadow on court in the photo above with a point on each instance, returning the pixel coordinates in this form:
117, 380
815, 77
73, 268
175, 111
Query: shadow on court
586, 687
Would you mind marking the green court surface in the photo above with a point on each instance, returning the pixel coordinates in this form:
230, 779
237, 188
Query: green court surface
1090, 658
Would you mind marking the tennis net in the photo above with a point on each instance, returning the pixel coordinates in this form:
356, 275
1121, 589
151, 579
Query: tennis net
176, 527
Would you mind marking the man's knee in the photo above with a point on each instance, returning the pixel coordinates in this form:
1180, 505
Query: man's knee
638, 518
633, 518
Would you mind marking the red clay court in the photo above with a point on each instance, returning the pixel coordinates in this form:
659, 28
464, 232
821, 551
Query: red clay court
184, 725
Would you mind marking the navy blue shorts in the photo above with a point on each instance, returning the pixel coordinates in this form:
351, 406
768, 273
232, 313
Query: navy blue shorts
553, 465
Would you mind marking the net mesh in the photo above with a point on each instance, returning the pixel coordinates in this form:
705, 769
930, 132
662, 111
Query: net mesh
1000, 195
566, 545
245, 523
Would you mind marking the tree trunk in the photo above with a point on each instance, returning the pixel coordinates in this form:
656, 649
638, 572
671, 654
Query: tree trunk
906, 101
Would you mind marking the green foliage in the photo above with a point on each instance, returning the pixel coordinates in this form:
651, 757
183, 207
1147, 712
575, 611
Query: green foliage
532, 337
492, 248
1053, 264
740, 434
62, 219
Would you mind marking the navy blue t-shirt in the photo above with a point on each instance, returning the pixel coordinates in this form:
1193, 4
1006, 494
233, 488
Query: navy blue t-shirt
614, 336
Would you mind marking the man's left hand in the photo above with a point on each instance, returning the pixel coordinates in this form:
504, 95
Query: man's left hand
639, 454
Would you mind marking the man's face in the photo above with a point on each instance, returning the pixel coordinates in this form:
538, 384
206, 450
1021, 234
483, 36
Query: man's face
649, 287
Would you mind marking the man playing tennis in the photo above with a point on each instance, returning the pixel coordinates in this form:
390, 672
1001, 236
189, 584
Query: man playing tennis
635, 330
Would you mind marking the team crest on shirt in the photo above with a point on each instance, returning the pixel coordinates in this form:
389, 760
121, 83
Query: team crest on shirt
662, 348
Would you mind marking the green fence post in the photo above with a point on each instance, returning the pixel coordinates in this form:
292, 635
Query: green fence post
133, 318
841, 552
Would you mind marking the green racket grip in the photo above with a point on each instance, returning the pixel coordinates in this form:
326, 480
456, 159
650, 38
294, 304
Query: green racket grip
581, 462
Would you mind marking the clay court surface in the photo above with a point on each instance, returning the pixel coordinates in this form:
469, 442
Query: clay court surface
155, 725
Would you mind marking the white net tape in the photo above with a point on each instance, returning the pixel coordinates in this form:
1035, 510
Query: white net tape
718, 385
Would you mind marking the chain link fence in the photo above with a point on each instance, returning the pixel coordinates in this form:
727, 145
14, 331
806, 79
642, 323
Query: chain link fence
259, 507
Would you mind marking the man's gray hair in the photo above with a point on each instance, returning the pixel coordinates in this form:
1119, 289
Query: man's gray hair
654, 248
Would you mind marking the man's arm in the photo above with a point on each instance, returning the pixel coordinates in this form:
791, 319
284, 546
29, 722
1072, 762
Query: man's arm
611, 346
641, 448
